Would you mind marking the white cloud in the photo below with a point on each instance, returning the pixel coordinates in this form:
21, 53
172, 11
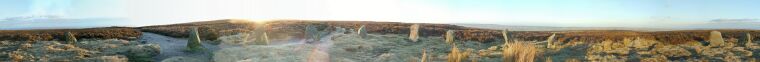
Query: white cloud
735, 20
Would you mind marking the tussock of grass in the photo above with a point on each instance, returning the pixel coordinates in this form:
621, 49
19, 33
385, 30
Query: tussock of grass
520, 52
455, 55
424, 56
459, 56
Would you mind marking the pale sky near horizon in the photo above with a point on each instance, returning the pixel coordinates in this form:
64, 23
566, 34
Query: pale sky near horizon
564, 13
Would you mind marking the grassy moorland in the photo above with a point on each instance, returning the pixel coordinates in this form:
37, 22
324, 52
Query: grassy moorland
57, 34
389, 42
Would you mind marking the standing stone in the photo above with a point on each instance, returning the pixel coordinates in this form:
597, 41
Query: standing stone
194, 41
70, 38
450, 37
261, 35
716, 39
312, 33
263, 39
413, 34
505, 34
748, 40
244, 38
362, 32
550, 41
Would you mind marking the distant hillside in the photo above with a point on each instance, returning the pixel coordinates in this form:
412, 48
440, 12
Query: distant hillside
216, 28
723, 25
210, 30
545, 28
57, 34
483, 33
57, 23
698, 26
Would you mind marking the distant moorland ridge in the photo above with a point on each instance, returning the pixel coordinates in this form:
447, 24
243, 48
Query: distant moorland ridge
296, 27
210, 30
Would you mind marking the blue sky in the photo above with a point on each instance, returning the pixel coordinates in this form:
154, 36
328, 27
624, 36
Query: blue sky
569, 13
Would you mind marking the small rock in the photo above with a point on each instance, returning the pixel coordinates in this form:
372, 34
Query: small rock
131, 38
143, 52
385, 57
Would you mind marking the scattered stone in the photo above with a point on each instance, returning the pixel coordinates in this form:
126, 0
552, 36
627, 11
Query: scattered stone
110, 50
143, 53
385, 57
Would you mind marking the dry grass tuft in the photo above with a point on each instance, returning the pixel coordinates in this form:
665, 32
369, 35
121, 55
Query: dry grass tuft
520, 52
424, 56
466, 54
459, 56
456, 55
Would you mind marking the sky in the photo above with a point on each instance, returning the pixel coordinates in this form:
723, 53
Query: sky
561, 13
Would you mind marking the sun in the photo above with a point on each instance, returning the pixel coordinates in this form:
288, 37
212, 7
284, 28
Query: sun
260, 21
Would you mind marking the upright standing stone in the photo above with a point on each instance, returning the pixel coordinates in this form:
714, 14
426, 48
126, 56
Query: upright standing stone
450, 37
550, 41
413, 32
505, 34
748, 40
312, 33
194, 41
70, 38
716, 39
263, 39
362, 32
261, 35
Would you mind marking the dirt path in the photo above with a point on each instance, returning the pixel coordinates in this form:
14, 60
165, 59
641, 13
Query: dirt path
174, 47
